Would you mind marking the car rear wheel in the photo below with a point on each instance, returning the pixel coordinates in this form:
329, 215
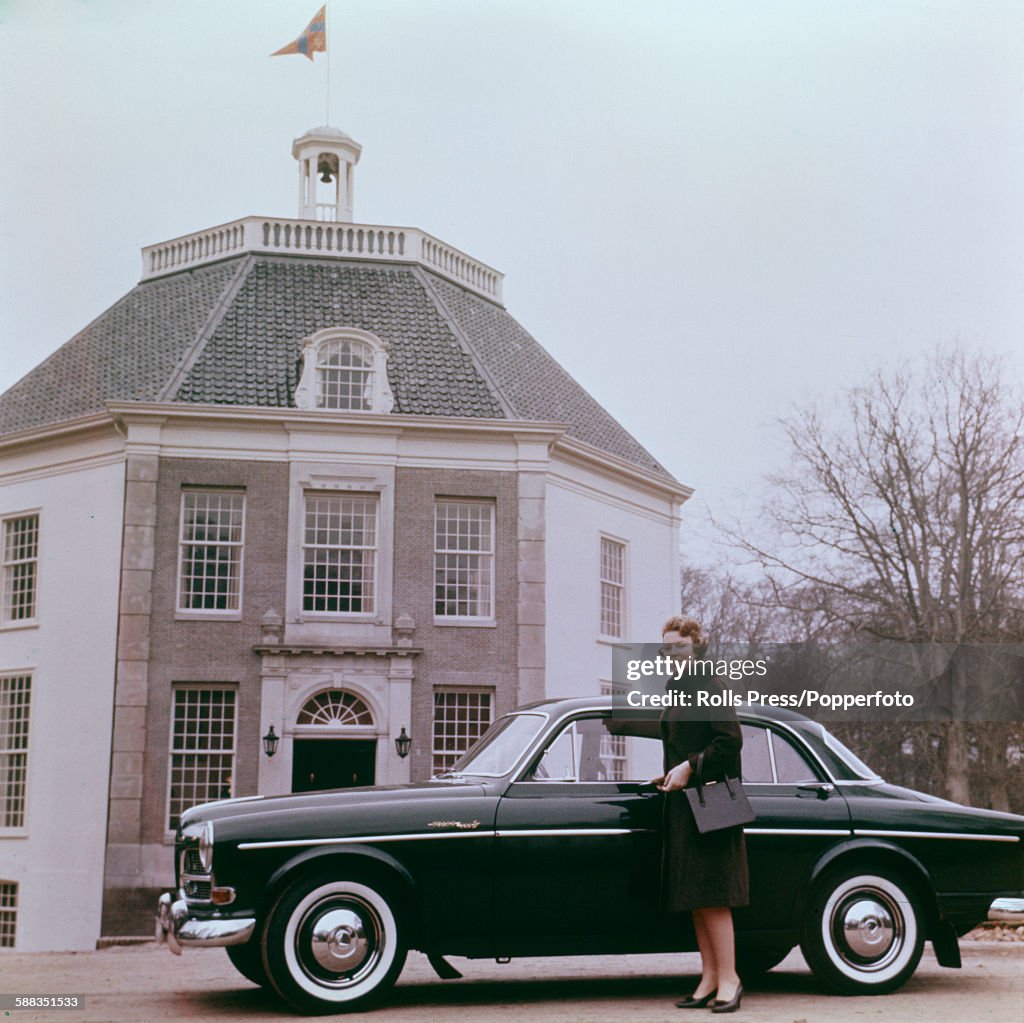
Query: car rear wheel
863, 933
248, 960
333, 945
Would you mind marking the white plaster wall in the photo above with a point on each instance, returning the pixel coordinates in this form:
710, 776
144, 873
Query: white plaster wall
58, 859
581, 505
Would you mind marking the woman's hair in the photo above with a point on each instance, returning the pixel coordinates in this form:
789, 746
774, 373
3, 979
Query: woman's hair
689, 627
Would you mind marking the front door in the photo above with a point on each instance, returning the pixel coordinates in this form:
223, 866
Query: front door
332, 763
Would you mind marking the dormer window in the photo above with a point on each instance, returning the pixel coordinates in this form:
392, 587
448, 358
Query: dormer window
344, 370
344, 376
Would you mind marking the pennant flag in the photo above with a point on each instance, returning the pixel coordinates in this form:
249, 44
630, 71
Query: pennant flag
313, 39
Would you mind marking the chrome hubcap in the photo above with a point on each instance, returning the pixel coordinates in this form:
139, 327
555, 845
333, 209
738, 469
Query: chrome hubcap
867, 927
338, 941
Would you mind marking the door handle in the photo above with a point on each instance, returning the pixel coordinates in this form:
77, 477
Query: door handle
822, 789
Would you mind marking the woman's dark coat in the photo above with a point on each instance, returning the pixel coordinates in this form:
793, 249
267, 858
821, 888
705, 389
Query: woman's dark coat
711, 869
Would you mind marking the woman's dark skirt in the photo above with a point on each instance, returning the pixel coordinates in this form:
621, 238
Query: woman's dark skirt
700, 871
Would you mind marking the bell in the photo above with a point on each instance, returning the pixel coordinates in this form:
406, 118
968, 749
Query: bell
325, 175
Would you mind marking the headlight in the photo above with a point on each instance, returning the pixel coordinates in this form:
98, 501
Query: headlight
206, 846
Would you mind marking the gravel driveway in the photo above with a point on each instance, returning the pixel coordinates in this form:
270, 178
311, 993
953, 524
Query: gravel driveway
143, 983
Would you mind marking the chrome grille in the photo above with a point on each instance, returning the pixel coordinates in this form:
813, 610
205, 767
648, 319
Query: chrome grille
198, 890
191, 863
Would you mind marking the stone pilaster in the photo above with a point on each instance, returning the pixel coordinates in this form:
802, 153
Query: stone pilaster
531, 574
131, 687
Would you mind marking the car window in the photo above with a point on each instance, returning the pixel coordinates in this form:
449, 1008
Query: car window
770, 757
755, 758
500, 746
790, 766
585, 751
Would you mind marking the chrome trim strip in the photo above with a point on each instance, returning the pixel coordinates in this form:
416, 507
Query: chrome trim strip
287, 843
525, 833
872, 833
797, 831
568, 832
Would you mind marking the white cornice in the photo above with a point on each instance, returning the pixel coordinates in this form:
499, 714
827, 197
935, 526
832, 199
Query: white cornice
120, 414
323, 421
593, 458
52, 431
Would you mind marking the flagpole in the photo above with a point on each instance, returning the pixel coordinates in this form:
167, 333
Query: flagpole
327, 46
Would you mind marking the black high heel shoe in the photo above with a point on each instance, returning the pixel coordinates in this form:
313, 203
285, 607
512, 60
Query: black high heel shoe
695, 1003
730, 1006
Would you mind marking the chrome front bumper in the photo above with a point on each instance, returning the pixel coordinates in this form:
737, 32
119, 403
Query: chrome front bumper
1007, 910
178, 930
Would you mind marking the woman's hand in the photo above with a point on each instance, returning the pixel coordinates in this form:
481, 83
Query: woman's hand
676, 779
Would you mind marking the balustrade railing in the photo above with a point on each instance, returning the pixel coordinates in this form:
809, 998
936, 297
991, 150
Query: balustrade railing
319, 238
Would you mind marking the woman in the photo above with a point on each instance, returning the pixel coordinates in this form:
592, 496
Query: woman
706, 874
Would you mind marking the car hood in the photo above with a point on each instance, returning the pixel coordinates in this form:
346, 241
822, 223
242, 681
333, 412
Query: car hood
369, 802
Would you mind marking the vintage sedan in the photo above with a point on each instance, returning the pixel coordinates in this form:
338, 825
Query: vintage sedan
545, 840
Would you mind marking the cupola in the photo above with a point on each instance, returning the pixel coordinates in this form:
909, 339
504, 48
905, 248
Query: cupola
327, 158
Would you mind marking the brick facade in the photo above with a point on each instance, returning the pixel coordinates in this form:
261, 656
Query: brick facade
481, 657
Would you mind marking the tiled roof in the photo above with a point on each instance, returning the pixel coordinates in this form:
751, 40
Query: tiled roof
129, 352
253, 356
232, 334
531, 381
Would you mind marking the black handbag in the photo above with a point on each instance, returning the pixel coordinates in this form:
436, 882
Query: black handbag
717, 804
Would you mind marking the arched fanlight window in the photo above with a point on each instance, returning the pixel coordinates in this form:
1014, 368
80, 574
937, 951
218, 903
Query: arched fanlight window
344, 376
344, 370
333, 708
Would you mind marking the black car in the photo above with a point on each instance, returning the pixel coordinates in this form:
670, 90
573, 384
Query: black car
545, 840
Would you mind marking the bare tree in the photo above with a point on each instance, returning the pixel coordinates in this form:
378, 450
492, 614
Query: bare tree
902, 517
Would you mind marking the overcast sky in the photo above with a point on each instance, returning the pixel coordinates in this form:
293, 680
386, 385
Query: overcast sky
705, 210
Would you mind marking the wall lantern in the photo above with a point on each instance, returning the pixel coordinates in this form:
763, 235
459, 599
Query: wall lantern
270, 741
402, 743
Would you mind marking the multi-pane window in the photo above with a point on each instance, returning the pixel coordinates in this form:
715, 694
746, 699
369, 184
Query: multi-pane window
344, 376
339, 554
461, 716
613, 587
202, 748
15, 693
211, 542
463, 559
613, 747
8, 912
21, 558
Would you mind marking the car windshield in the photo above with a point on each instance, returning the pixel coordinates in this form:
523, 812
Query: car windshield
843, 764
500, 747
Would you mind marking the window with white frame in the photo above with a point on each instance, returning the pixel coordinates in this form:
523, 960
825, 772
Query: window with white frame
20, 567
211, 543
344, 369
613, 747
339, 553
344, 375
202, 748
15, 695
8, 913
613, 588
463, 559
461, 716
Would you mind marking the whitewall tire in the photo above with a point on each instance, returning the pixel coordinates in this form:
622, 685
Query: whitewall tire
333, 945
864, 931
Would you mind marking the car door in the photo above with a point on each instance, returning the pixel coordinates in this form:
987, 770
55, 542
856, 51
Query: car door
578, 839
799, 814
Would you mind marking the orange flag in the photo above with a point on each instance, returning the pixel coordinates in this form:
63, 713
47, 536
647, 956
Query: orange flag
313, 38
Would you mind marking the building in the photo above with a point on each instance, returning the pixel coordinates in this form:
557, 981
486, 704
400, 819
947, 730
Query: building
307, 480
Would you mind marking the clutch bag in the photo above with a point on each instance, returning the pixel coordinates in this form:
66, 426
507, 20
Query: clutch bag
717, 805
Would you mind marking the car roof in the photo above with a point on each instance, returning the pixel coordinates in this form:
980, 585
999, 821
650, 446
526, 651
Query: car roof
559, 705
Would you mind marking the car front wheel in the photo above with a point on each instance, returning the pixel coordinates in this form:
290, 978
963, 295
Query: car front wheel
333, 945
863, 933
